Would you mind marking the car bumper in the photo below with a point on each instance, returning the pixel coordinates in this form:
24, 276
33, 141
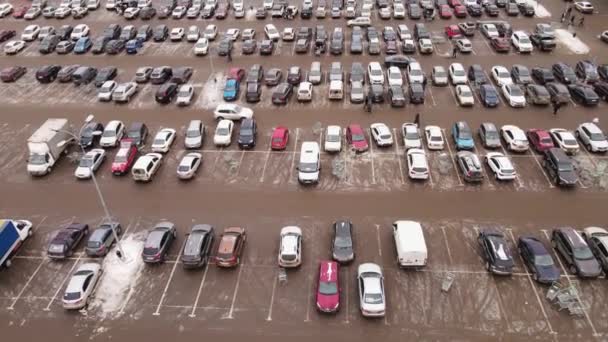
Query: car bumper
74, 305
367, 313
420, 176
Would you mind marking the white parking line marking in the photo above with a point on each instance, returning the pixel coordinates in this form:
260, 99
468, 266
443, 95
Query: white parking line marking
447, 246
238, 168
447, 143
398, 157
265, 163
559, 260
293, 156
35, 228
540, 303
162, 297
27, 283
274, 288
432, 97
378, 240
346, 297
453, 95
48, 306
198, 293
542, 170
236, 290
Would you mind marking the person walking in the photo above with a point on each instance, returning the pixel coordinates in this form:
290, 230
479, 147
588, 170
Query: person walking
556, 107
572, 18
581, 22
229, 56
454, 52
417, 119
369, 104
563, 17
568, 11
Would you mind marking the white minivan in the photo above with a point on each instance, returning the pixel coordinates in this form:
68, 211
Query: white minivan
410, 244
336, 91
305, 92
310, 163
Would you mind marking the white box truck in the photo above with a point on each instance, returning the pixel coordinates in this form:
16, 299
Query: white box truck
45, 146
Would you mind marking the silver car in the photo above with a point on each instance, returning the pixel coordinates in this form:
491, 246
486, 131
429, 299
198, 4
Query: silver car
81, 286
102, 239
195, 134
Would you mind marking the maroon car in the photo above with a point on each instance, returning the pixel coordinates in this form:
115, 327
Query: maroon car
11, 74
6, 35
66, 240
500, 44
20, 12
539, 139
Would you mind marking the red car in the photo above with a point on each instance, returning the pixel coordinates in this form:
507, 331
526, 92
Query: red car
355, 136
328, 287
236, 73
454, 3
20, 12
6, 35
12, 74
280, 138
453, 31
125, 157
445, 12
540, 139
231, 247
460, 11
500, 44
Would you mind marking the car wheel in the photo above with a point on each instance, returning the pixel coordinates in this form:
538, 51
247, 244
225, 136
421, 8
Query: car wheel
588, 147
220, 118
573, 269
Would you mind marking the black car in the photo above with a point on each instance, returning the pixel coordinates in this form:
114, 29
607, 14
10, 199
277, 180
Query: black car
112, 31
65, 74
267, 47
137, 132
64, 32
294, 75
105, 74
144, 33
249, 46
583, 94
47, 73
477, 75
563, 73
6, 35
160, 33
421, 32
587, 71
161, 75
542, 75
66, 240
181, 75
496, 253
376, 92
602, 70
538, 260
559, 92
282, 93
88, 138
102, 239
48, 44
492, 10
398, 61
488, 95
342, 246
147, 13
601, 89
166, 93
99, 45
573, 249
248, 132
396, 96
526, 9
158, 242
224, 47
306, 13
416, 93
115, 46
474, 10
197, 248
521, 74
559, 167
273, 76
501, 3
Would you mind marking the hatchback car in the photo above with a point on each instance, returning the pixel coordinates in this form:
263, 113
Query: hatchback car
279, 138
592, 137
538, 260
559, 167
565, 140
328, 287
463, 136
158, 242
66, 240
573, 249
125, 157
103, 238
469, 166
197, 248
231, 246
488, 134
370, 280
290, 247
417, 164
496, 253
342, 246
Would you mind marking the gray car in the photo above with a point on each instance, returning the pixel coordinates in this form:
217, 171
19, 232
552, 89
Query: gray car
197, 248
102, 239
573, 249
538, 94
356, 44
396, 96
489, 136
357, 94
521, 74
559, 92
342, 243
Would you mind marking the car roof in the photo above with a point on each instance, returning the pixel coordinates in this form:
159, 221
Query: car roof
575, 239
328, 271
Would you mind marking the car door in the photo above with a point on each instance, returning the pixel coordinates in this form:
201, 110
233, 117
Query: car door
87, 286
164, 244
563, 247
361, 292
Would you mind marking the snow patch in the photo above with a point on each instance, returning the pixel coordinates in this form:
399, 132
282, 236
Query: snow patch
574, 44
212, 91
120, 276
539, 10
250, 14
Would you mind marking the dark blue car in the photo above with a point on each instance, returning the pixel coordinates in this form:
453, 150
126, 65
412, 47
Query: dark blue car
134, 45
538, 260
489, 95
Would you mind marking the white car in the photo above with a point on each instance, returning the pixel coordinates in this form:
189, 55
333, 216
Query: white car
93, 4
457, 73
464, 45
30, 33
163, 140
5, 9
371, 290
381, 134
464, 95
112, 134
271, 32
177, 34
14, 46
62, 12
145, 167
201, 47
404, 32
289, 34
46, 31
360, 21
375, 73
193, 33
210, 32
81, 286
411, 136
489, 30
237, 5
333, 139
124, 92
515, 138
106, 90
248, 33
501, 75
223, 133
233, 34
584, 6
439, 76
32, 13
290, 248
189, 165
81, 30
394, 76
501, 166
144, 3
131, 12
514, 94
232, 111
398, 10
434, 138
415, 73
304, 93
184, 95
89, 163
425, 46
592, 137
179, 12
565, 140
267, 4
417, 164
521, 41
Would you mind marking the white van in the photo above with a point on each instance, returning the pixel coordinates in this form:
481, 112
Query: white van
93, 4
305, 92
146, 166
410, 244
336, 91
310, 163
110, 4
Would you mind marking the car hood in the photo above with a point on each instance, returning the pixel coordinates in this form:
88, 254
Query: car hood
548, 273
589, 267
568, 177
328, 302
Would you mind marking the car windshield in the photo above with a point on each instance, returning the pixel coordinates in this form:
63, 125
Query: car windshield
106, 88
222, 131
328, 288
524, 40
464, 134
376, 72
194, 133
86, 162
597, 137
358, 137
466, 93
159, 141
516, 91
109, 133
543, 260
582, 253
308, 167
183, 93
440, 73
332, 138
183, 168
458, 72
503, 74
491, 135
385, 136
342, 242
569, 141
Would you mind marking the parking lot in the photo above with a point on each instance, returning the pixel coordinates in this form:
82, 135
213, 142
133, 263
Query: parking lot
259, 191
